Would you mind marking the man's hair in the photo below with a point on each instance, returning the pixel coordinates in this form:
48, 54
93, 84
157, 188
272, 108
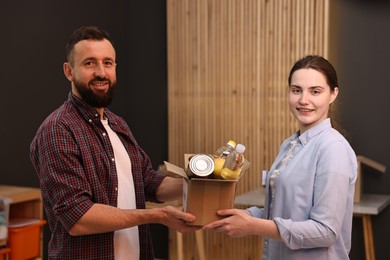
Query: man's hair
85, 33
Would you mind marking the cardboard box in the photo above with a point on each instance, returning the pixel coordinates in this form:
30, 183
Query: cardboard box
202, 197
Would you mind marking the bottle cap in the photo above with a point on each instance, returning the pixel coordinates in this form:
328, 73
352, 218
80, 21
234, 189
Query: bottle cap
232, 143
240, 148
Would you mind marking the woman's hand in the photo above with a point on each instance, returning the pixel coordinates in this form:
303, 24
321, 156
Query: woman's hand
238, 223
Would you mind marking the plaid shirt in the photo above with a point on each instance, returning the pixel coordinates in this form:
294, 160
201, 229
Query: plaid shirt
74, 160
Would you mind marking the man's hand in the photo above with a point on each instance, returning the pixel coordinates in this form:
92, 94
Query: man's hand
176, 219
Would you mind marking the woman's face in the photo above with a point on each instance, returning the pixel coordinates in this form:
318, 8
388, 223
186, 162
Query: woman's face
310, 97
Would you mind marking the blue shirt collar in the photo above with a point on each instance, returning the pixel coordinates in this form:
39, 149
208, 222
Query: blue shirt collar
311, 132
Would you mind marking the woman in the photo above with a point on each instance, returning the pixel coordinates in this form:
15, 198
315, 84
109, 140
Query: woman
310, 186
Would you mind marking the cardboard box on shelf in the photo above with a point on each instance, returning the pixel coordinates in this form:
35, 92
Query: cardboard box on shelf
202, 197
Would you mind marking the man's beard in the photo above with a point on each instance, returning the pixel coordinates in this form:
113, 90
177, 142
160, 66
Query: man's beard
93, 99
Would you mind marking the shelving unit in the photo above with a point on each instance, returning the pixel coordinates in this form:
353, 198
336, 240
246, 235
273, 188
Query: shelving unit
26, 203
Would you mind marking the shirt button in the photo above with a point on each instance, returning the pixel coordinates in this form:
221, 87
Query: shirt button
116, 188
90, 120
104, 134
96, 115
113, 159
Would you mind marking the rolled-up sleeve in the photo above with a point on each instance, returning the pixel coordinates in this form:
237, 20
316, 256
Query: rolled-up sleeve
62, 175
256, 212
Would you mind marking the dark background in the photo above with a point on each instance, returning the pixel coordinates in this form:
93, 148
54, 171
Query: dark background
33, 36
360, 42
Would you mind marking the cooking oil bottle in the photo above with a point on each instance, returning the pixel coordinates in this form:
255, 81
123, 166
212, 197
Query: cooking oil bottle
219, 157
232, 167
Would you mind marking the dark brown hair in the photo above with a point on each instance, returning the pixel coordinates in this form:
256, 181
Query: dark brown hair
85, 33
317, 63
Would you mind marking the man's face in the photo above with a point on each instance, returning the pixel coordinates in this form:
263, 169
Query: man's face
92, 72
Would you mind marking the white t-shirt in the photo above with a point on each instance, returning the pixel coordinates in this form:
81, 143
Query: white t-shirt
126, 241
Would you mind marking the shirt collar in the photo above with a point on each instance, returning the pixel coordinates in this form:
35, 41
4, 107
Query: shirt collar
313, 131
88, 112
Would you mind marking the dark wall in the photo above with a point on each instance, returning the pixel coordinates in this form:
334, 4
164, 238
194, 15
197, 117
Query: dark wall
33, 36
360, 48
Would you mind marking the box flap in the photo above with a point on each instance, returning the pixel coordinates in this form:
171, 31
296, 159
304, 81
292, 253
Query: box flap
175, 169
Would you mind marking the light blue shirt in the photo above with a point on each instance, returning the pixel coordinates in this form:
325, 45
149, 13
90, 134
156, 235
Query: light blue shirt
313, 197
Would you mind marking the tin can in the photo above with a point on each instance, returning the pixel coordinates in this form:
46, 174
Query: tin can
200, 165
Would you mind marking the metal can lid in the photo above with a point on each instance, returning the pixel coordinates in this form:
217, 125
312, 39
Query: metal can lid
201, 165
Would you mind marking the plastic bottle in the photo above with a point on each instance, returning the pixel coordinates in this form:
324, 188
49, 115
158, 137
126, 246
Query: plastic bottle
223, 151
219, 157
233, 164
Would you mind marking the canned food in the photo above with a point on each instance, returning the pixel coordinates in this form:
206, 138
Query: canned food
200, 165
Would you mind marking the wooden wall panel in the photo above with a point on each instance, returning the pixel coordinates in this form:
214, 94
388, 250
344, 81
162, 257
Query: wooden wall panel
228, 63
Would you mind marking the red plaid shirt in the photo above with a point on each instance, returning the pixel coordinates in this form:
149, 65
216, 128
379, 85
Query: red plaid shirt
74, 160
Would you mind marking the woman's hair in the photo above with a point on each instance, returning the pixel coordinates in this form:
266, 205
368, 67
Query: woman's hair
317, 63
85, 33
322, 65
